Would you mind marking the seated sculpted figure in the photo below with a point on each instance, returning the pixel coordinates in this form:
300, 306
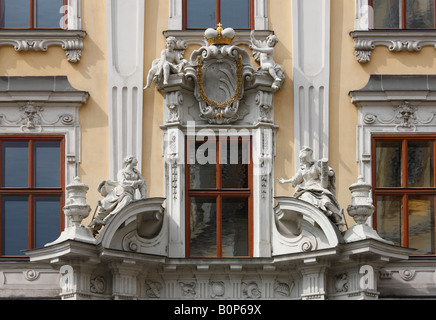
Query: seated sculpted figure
264, 53
118, 194
169, 62
315, 182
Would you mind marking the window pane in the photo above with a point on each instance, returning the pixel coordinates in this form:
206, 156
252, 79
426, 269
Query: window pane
14, 225
48, 13
386, 14
47, 220
389, 209
420, 164
421, 224
235, 14
388, 164
15, 167
203, 227
14, 13
203, 165
419, 14
235, 158
47, 164
234, 227
201, 13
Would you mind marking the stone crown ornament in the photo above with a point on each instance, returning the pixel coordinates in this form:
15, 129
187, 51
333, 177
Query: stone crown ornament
219, 36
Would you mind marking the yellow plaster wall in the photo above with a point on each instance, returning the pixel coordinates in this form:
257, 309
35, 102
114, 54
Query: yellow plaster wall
90, 75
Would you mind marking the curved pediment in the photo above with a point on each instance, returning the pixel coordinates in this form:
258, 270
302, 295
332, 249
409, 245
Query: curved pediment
300, 226
137, 228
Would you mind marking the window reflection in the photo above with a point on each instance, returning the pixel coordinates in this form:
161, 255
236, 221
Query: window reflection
388, 158
47, 164
15, 164
14, 13
419, 14
420, 168
200, 14
14, 225
386, 14
203, 227
47, 222
234, 227
235, 13
421, 224
389, 213
48, 13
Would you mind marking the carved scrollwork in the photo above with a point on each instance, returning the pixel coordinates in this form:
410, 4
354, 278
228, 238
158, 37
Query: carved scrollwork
31, 275
98, 284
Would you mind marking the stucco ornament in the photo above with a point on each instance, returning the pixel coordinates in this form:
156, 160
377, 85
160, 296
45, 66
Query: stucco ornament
170, 61
263, 52
315, 183
118, 194
219, 72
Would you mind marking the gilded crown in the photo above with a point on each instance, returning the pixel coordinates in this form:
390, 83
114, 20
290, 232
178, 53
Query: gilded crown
220, 35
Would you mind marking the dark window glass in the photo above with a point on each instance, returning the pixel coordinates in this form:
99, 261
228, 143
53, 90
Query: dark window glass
389, 214
235, 158
203, 226
386, 14
47, 223
14, 225
48, 13
421, 224
14, 13
201, 14
234, 227
235, 14
388, 161
420, 14
47, 164
202, 157
15, 164
420, 166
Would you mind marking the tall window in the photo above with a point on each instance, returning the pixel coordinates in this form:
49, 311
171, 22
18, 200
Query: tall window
403, 14
31, 192
201, 14
219, 198
405, 191
32, 14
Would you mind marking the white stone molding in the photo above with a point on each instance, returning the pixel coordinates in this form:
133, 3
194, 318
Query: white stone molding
311, 69
39, 40
175, 19
392, 104
125, 32
44, 106
400, 40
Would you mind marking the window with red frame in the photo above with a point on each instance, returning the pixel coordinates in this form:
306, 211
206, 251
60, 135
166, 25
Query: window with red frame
403, 14
33, 14
219, 198
202, 14
404, 190
31, 192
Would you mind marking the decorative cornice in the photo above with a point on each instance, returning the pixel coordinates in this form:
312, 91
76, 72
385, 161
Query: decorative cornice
39, 40
396, 40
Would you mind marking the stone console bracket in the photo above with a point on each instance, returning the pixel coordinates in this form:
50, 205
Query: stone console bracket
40, 39
365, 41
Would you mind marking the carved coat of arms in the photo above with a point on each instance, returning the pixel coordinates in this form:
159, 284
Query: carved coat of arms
219, 71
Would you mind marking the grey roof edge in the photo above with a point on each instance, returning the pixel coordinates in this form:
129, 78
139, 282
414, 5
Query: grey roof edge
391, 82
37, 84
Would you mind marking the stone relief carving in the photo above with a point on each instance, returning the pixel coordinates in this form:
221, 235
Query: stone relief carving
118, 194
263, 52
341, 282
170, 61
97, 284
32, 118
219, 72
315, 183
188, 289
283, 289
31, 275
217, 289
251, 290
153, 289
